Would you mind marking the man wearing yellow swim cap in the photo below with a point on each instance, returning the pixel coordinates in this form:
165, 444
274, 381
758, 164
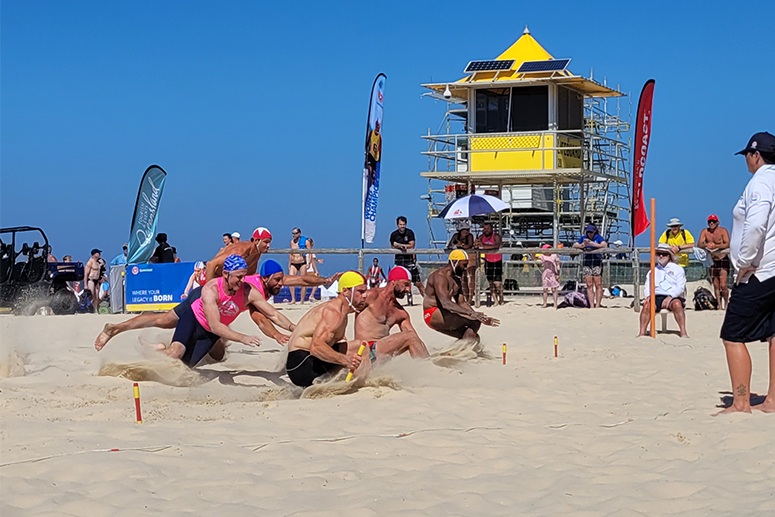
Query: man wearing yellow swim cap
318, 345
444, 307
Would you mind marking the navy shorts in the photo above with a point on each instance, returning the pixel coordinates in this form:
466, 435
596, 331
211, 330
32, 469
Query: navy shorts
192, 335
751, 312
193, 295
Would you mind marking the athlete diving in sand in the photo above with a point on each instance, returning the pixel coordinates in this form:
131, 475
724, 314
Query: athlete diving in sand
445, 310
318, 346
382, 313
259, 244
206, 320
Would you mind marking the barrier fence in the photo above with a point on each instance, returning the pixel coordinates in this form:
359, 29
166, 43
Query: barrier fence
522, 271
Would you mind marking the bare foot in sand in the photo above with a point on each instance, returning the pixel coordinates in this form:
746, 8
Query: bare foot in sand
768, 406
685, 335
108, 331
733, 409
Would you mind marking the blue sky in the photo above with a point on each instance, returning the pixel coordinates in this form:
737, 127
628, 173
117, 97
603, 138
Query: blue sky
257, 110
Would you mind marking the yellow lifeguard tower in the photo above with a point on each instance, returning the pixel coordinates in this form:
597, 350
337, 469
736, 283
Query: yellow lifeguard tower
524, 128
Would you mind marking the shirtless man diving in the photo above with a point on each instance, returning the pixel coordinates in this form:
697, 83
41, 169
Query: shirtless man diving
445, 310
382, 313
318, 346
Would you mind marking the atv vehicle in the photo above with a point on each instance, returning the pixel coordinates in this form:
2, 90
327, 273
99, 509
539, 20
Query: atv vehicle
28, 280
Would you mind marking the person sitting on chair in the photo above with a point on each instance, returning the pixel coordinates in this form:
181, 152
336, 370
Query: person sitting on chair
669, 286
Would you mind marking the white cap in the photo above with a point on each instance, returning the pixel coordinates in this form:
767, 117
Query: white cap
618, 243
236, 234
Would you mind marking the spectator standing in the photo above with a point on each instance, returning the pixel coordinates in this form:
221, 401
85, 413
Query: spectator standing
592, 264
493, 262
373, 274
120, 259
463, 240
678, 239
751, 311
92, 275
715, 240
311, 269
164, 253
550, 278
235, 237
297, 263
669, 286
226, 240
51, 258
403, 239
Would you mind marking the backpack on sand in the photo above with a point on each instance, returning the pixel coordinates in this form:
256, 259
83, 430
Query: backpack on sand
704, 300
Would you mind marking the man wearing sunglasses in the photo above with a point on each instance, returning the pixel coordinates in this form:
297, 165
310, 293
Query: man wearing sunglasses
750, 314
715, 240
669, 285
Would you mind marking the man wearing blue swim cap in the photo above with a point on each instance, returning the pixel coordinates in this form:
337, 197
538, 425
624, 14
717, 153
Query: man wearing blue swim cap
201, 321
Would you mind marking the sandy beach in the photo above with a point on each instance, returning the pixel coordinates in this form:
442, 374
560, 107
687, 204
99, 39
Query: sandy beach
614, 426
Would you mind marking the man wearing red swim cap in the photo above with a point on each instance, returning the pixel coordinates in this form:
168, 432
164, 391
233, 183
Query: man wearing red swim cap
382, 313
715, 240
251, 251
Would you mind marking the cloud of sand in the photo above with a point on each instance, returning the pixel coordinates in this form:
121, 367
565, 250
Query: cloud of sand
171, 372
11, 364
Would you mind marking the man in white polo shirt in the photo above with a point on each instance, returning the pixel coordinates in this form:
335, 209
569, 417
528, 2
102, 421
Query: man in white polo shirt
669, 286
751, 312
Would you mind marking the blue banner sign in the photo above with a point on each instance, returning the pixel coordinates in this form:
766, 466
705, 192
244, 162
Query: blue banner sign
156, 287
373, 163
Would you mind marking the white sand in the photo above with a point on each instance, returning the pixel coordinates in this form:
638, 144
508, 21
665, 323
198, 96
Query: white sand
614, 426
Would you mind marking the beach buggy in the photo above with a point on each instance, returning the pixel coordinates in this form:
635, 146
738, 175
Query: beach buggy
28, 280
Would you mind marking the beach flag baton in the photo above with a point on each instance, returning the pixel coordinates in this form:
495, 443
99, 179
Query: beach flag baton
137, 403
555, 346
360, 354
504, 353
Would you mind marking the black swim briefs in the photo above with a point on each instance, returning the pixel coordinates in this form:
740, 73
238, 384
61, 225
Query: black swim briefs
303, 368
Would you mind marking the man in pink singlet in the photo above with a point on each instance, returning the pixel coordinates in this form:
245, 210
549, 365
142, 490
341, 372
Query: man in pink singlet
207, 319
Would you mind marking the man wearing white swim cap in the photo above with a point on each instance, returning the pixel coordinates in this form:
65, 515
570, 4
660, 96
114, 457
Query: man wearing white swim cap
318, 346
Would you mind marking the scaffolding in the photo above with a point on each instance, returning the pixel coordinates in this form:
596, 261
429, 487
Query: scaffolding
569, 169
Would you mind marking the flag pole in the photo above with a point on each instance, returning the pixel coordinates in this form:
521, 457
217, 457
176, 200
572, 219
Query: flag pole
652, 282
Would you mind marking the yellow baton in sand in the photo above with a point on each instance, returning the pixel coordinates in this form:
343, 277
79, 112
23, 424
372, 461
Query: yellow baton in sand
360, 354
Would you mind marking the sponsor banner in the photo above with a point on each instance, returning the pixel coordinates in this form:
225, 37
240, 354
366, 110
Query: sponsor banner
143, 230
156, 287
640, 149
373, 160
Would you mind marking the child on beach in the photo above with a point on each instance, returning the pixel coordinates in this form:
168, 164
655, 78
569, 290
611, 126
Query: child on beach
551, 275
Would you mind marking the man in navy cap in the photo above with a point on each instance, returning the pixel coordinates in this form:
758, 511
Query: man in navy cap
751, 312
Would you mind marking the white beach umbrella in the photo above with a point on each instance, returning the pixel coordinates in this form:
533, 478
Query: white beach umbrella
475, 204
